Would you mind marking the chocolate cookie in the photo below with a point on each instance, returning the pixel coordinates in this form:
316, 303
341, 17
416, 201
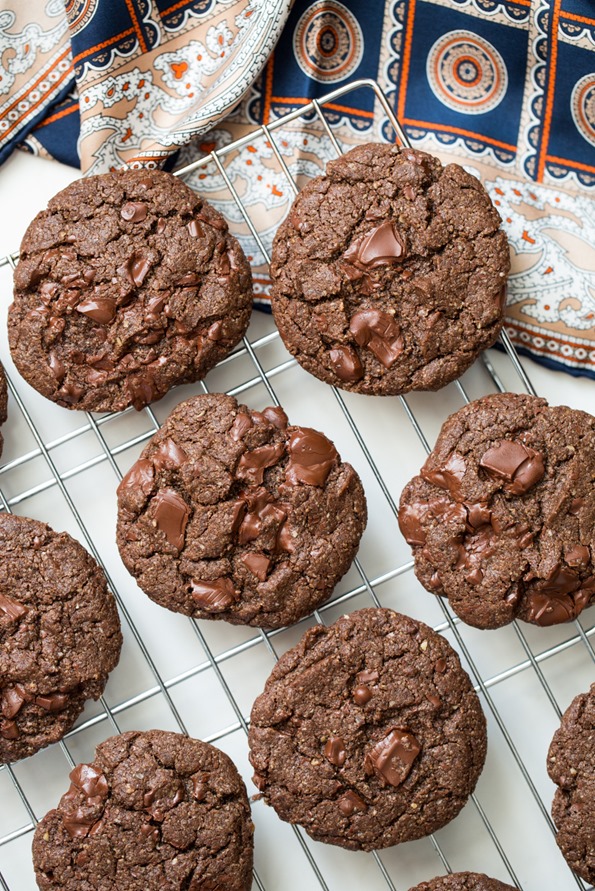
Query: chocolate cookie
155, 811
231, 514
463, 881
59, 634
571, 765
368, 732
501, 518
127, 284
389, 272
3, 403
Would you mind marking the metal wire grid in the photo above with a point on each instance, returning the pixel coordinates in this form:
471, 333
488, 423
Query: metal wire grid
247, 365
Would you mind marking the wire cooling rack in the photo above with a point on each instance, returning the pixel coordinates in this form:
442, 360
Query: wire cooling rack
202, 677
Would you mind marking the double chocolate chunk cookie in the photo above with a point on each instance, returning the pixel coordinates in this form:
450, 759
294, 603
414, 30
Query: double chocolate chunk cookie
389, 272
368, 732
155, 811
571, 765
501, 518
463, 881
232, 514
127, 284
59, 634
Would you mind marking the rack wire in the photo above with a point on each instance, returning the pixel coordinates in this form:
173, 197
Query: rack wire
202, 677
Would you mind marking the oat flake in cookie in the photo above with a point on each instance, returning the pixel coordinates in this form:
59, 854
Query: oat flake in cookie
59, 634
232, 514
389, 272
501, 519
368, 732
127, 284
155, 811
463, 881
571, 765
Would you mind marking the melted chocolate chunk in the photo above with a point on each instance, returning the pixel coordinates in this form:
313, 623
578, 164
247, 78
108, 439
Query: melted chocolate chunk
171, 516
392, 758
215, 596
252, 465
169, 456
12, 608
134, 211
334, 751
346, 363
381, 246
520, 466
448, 476
311, 457
378, 332
100, 309
258, 563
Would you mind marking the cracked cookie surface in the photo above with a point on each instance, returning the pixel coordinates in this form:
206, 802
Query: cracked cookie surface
368, 732
155, 811
463, 881
571, 766
59, 634
127, 284
234, 514
501, 519
389, 272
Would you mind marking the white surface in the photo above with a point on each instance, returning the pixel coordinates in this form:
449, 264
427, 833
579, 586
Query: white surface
524, 716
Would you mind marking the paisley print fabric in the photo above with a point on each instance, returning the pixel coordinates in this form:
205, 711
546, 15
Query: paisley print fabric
506, 87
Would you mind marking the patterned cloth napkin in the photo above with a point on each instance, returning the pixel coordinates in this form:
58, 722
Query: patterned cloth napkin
506, 87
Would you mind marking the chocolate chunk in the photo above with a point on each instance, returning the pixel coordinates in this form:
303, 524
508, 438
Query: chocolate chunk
382, 245
334, 751
52, 702
252, 465
258, 563
391, 759
12, 608
379, 332
215, 596
140, 477
311, 457
134, 211
100, 309
171, 516
520, 466
169, 456
346, 363
448, 476
12, 699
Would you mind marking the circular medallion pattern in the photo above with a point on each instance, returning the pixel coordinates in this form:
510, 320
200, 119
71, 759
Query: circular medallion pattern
466, 73
79, 13
582, 103
328, 43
